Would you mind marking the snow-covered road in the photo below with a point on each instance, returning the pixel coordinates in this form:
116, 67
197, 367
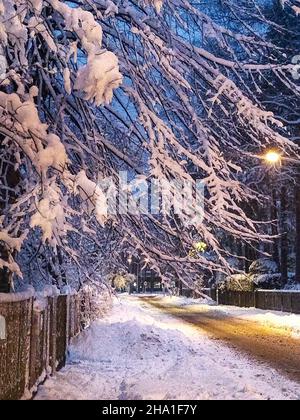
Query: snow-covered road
139, 352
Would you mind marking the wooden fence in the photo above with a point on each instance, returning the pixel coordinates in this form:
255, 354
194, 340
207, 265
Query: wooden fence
34, 337
273, 300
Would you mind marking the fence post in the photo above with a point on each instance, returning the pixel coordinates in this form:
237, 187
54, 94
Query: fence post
15, 345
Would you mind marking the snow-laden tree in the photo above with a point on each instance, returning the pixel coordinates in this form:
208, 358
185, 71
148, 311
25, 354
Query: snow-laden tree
162, 89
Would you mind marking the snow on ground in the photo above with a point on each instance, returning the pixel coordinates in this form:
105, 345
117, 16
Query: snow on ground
139, 352
283, 320
182, 301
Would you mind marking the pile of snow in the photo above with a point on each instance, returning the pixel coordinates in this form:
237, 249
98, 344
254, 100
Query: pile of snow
50, 215
82, 23
99, 78
280, 320
181, 301
93, 196
53, 155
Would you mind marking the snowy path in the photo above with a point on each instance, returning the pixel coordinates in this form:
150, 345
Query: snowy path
139, 352
271, 337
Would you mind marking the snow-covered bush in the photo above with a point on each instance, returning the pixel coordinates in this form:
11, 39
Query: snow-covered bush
121, 281
98, 298
237, 282
267, 281
264, 274
263, 266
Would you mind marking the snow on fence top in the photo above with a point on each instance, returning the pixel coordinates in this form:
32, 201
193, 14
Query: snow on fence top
48, 291
28, 293
279, 291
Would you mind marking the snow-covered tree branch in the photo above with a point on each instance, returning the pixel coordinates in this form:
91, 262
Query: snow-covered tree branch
161, 89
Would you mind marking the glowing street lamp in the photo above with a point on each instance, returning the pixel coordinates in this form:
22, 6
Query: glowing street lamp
272, 157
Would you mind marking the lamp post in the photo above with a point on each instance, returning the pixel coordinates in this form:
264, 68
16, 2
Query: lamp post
146, 262
274, 158
129, 260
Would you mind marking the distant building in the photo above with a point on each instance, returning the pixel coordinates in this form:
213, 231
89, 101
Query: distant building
147, 280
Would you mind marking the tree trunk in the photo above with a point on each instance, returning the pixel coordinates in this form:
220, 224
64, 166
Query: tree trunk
284, 237
250, 256
297, 241
4, 273
274, 218
4, 281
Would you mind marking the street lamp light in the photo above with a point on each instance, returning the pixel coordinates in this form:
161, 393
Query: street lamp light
272, 157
